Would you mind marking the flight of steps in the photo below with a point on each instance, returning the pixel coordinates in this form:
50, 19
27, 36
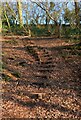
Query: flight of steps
43, 65
42, 68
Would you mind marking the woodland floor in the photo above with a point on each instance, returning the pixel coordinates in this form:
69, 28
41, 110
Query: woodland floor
41, 78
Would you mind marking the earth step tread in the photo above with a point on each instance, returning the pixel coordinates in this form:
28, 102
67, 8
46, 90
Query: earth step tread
48, 62
46, 54
22, 63
49, 58
46, 57
46, 66
40, 84
11, 58
43, 49
45, 70
37, 95
40, 76
42, 62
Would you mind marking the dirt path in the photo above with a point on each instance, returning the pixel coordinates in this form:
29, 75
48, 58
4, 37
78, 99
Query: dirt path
42, 79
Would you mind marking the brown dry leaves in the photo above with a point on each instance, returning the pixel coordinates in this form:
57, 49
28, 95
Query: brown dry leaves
27, 96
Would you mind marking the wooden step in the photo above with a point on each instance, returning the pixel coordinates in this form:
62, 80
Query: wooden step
48, 62
45, 70
45, 65
40, 84
42, 77
11, 58
46, 57
37, 95
50, 58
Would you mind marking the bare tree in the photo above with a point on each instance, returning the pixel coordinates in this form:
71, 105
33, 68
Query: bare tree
51, 13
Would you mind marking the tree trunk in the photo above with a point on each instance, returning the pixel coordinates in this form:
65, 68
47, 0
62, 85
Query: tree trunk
0, 18
19, 5
57, 29
77, 13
